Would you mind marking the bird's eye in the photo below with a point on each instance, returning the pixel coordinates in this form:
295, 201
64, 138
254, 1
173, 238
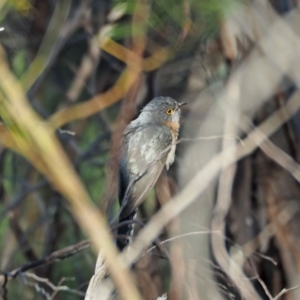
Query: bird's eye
169, 111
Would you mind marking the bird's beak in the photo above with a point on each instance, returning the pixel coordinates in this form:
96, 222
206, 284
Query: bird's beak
181, 104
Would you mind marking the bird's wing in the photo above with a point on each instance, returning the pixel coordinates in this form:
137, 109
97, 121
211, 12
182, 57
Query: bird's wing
146, 152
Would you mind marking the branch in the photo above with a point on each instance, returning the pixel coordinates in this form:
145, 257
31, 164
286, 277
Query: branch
31, 134
53, 257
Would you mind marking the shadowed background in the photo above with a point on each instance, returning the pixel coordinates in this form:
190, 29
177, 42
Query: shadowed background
73, 74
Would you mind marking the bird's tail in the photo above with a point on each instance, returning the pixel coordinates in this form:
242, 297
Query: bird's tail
125, 230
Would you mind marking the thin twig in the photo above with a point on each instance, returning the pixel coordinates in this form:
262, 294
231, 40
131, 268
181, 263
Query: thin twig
53, 257
55, 288
173, 238
284, 291
265, 288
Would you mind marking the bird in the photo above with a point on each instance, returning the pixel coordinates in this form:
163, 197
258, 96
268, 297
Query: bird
148, 145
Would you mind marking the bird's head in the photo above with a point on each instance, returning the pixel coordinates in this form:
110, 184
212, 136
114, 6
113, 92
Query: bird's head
162, 110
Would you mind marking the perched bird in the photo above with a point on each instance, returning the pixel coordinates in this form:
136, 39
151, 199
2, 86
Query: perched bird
148, 144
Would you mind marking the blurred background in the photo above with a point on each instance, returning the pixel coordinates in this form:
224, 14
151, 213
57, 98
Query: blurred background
80, 71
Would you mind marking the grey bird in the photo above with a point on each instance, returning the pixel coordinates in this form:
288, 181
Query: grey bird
148, 145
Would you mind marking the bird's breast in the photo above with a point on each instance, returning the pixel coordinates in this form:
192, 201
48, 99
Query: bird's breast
174, 128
